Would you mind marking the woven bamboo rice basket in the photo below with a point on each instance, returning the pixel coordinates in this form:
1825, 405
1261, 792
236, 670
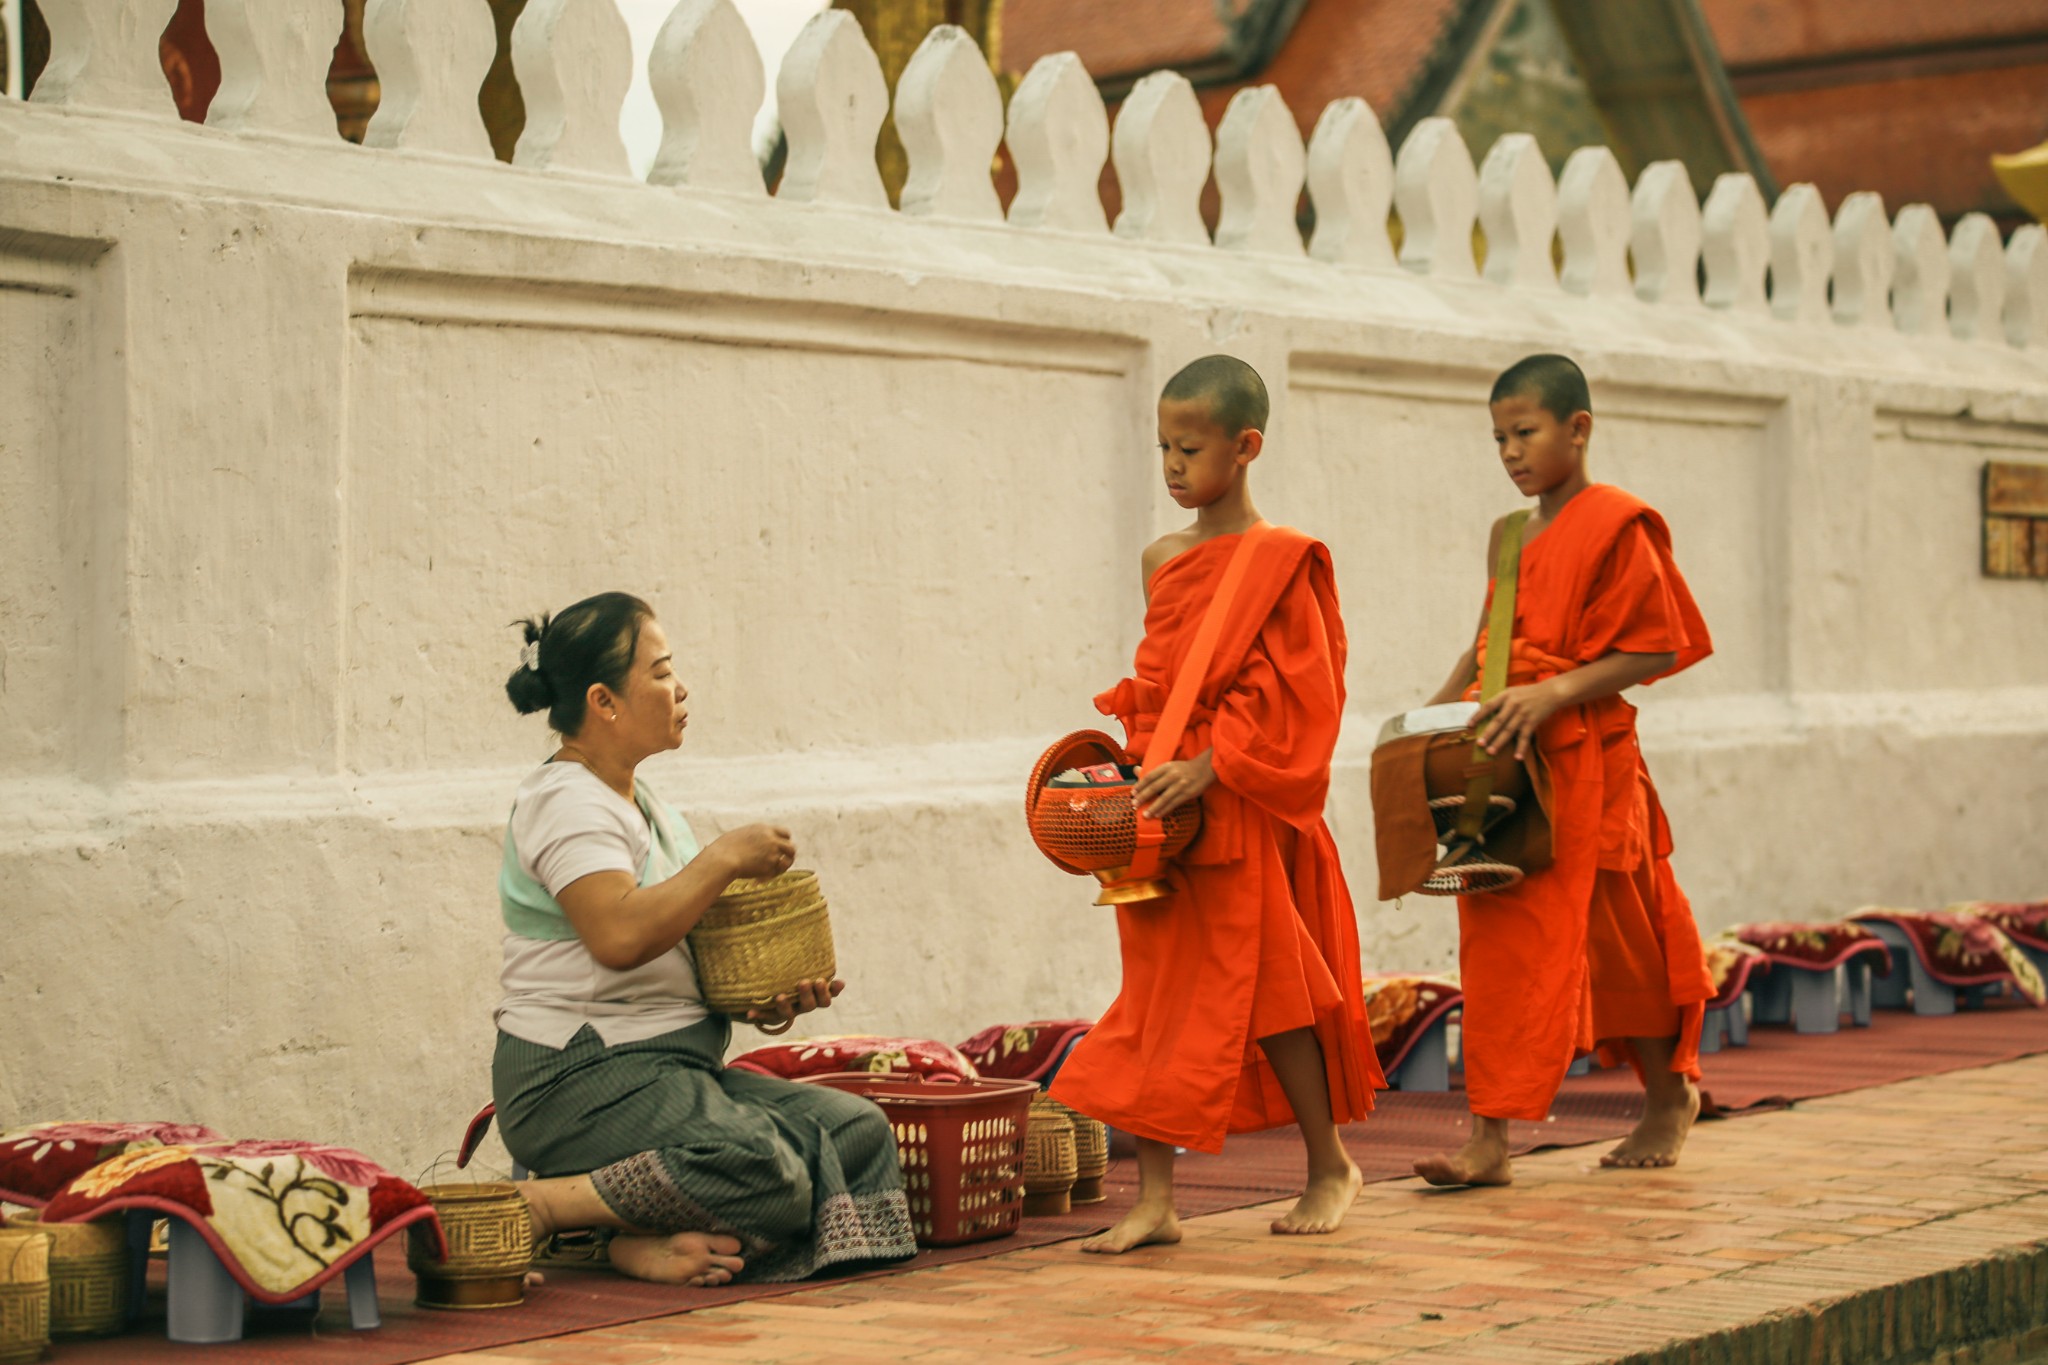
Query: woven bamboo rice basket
490, 1247
762, 939
1091, 1156
88, 1274
24, 1293
1049, 1159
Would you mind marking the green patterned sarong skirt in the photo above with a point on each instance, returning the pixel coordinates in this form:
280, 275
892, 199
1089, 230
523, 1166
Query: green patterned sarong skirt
804, 1176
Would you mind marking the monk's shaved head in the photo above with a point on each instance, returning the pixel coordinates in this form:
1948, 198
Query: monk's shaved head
1233, 391
1552, 380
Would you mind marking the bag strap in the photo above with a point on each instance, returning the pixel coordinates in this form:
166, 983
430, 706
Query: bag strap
1493, 676
1180, 701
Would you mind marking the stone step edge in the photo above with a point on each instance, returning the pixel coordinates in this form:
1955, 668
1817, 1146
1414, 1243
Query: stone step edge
1969, 1290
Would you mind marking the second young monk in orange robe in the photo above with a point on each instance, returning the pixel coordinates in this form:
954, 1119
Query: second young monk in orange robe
1241, 1005
1601, 946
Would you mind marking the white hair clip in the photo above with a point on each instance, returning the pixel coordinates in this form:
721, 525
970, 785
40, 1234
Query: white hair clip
530, 655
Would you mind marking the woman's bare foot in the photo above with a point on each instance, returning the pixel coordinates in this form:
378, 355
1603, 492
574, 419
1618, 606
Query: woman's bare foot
698, 1259
1483, 1160
1660, 1133
1145, 1225
1323, 1204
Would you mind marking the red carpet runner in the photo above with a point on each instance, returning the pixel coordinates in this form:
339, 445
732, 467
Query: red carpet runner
1777, 1068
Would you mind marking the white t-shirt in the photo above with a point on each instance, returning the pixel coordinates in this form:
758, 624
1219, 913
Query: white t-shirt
567, 824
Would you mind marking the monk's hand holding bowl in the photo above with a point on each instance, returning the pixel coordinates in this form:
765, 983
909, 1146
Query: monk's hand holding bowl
1513, 716
783, 1009
1165, 789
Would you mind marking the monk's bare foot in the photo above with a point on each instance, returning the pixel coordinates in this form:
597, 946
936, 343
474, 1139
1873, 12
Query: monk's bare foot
1481, 1161
1145, 1225
1323, 1204
1660, 1133
697, 1259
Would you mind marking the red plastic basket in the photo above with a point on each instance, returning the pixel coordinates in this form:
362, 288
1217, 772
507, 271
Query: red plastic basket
962, 1147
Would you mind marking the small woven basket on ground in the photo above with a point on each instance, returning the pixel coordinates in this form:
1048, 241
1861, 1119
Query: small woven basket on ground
24, 1293
1091, 1156
1049, 1159
88, 1274
490, 1247
762, 939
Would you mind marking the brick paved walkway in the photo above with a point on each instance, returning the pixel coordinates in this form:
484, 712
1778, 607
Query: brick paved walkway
1888, 1224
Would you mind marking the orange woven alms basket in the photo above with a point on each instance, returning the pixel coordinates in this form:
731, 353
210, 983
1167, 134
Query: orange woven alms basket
1095, 829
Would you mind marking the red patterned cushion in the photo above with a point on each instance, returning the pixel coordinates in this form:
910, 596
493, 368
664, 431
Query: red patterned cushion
856, 1052
1023, 1052
1401, 1008
1961, 949
1815, 947
1730, 962
284, 1217
39, 1160
2024, 922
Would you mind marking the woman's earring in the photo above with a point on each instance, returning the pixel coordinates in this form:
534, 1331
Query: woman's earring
613, 716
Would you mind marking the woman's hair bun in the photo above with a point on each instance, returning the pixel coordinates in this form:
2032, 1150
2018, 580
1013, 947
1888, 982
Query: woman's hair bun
528, 686
586, 643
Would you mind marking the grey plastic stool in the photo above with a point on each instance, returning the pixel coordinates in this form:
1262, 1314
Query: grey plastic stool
1427, 1064
1907, 981
207, 1306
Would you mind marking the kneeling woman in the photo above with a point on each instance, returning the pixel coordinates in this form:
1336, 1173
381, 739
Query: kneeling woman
608, 1076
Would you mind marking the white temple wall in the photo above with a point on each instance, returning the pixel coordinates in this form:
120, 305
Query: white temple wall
294, 429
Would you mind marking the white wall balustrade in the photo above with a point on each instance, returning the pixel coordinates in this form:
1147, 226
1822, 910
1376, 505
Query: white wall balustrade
295, 427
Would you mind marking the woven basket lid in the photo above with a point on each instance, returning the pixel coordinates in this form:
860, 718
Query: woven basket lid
1082, 749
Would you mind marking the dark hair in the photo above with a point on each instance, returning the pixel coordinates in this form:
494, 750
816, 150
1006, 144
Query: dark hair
1235, 393
1552, 380
588, 643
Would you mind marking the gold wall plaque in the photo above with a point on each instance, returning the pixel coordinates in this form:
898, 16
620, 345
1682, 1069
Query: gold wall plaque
2015, 520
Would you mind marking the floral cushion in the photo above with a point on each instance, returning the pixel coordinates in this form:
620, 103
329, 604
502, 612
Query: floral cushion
2024, 922
856, 1052
1814, 947
1024, 1052
39, 1160
1400, 1010
1730, 963
1960, 949
284, 1217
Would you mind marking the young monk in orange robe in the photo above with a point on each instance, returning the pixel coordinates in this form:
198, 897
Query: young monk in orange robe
1601, 946
1241, 1006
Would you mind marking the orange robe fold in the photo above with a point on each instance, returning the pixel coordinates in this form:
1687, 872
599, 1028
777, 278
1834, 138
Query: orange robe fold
1601, 946
1258, 937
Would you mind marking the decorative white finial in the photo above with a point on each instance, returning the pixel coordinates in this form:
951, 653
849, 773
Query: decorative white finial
1351, 185
1736, 245
574, 61
1161, 149
1919, 272
950, 117
1976, 279
1518, 210
1665, 235
430, 59
1593, 224
1437, 193
103, 55
1802, 256
274, 56
1059, 138
832, 100
706, 76
2026, 287
1260, 166
1863, 262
